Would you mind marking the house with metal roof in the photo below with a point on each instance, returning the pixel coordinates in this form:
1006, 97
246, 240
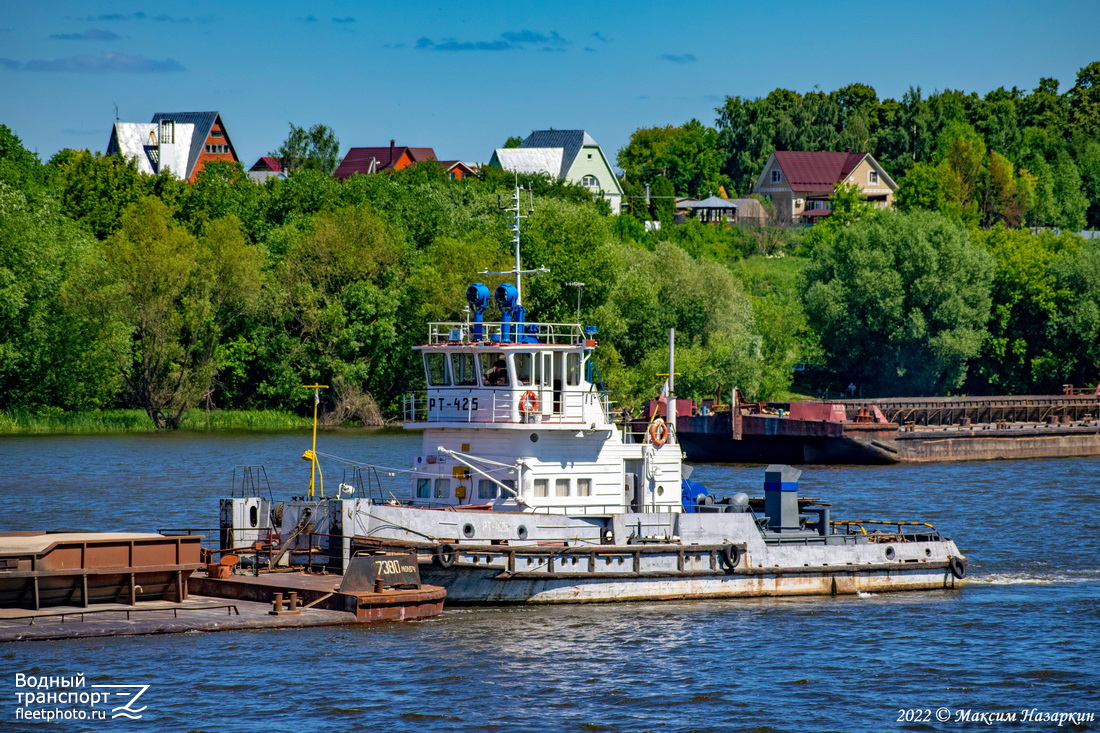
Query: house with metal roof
376, 160
569, 155
181, 143
799, 183
267, 166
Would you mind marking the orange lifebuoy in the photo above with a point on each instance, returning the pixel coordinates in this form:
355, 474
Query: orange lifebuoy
529, 402
658, 433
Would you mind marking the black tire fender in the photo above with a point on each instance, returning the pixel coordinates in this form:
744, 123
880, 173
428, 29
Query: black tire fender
445, 556
731, 556
957, 565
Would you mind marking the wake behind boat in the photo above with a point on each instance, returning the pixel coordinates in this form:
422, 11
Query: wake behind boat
526, 490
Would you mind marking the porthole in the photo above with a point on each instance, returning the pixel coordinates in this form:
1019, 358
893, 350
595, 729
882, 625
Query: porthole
521, 532
928, 552
890, 553
468, 530
534, 437
660, 491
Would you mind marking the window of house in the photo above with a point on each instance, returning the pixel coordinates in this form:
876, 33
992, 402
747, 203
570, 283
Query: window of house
216, 133
464, 368
423, 488
584, 487
523, 364
435, 365
590, 181
590, 156
168, 132
542, 487
486, 489
561, 487
872, 176
573, 369
443, 488
777, 177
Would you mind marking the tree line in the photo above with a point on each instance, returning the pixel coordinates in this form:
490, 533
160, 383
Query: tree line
121, 289
1010, 156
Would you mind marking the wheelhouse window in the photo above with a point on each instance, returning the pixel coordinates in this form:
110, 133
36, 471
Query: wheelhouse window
561, 487
542, 487
524, 364
443, 488
464, 367
435, 366
584, 487
495, 368
486, 489
423, 488
573, 369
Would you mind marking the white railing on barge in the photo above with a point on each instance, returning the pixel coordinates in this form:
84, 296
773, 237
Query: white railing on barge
497, 407
560, 334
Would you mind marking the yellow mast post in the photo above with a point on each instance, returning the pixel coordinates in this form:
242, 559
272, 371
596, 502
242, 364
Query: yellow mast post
311, 454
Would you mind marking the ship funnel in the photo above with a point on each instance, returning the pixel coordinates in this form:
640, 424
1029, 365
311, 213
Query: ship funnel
781, 498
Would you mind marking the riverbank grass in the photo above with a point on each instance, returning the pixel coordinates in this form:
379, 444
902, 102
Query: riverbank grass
136, 421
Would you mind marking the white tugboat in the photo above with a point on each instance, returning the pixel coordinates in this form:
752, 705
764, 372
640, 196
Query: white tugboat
527, 491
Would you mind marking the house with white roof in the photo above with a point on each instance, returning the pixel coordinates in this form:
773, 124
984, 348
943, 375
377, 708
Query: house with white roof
179, 142
569, 155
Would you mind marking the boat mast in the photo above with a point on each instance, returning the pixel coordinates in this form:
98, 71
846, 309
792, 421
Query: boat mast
514, 224
671, 404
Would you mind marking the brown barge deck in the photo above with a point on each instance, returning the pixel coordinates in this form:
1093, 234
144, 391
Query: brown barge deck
69, 585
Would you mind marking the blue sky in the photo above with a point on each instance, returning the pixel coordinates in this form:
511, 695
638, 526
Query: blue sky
462, 77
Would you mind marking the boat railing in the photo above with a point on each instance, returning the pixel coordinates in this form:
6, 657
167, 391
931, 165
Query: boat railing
902, 532
497, 332
501, 406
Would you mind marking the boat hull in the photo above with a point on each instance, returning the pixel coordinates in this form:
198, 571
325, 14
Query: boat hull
473, 585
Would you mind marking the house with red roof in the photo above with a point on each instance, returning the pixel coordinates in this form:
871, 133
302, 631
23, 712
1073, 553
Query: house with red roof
268, 166
376, 160
799, 183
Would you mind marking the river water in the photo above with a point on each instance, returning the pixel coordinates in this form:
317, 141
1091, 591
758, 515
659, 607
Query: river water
1023, 635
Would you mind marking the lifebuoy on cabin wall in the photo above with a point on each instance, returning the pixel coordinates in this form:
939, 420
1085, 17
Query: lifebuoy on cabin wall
658, 432
529, 402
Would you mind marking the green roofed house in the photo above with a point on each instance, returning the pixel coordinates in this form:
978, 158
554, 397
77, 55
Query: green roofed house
569, 155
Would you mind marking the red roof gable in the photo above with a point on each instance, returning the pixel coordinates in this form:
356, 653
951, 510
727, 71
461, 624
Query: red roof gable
816, 171
358, 160
267, 163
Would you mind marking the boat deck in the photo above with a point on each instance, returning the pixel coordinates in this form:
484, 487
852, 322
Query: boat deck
197, 613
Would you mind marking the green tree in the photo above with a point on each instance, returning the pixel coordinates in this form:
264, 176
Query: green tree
1084, 101
47, 357
1020, 356
97, 189
1077, 324
900, 302
513, 142
316, 149
172, 294
689, 156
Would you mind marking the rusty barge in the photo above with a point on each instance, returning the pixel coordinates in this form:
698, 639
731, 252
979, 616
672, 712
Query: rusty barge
891, 430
